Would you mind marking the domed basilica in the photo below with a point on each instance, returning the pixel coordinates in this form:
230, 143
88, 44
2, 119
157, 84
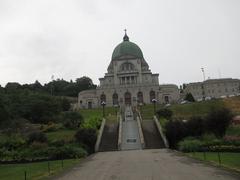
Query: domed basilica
128, 81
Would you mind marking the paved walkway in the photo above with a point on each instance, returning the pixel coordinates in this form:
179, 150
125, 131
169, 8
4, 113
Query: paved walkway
130, 133
145, 165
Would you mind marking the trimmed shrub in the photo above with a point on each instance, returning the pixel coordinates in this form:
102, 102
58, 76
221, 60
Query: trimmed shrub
87, 137
164, 113
67, 151
12, 142
175, 131
190, 145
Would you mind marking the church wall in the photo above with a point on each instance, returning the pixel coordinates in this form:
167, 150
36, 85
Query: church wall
128, 72
170, 91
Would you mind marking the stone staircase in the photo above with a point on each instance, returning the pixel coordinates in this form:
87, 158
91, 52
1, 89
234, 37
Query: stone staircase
152, 137
109, 140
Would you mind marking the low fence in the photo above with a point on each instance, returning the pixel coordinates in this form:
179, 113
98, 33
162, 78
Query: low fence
140, 132
159, 127
220, 158
139, 122
50, 169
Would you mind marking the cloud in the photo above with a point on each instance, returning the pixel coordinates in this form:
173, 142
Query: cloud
72, 38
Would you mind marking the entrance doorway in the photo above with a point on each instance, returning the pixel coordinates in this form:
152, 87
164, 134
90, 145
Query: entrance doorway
115, 99
166, 98
127, 98
89, 105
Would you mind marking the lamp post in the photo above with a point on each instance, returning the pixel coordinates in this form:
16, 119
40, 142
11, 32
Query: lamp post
103, 105
154, 105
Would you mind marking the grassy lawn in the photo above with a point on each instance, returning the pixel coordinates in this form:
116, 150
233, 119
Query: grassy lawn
195, 109
97, 112
63, 134
183, 110
228, 159
147, 111
38, 170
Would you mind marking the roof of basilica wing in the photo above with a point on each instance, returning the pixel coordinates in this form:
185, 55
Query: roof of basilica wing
127, 48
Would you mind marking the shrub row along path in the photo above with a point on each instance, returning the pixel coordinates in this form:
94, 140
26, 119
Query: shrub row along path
154, 164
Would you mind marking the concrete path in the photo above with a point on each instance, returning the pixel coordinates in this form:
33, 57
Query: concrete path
130, 133
159, 164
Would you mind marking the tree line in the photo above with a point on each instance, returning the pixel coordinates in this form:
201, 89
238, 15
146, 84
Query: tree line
59, 87
38, 103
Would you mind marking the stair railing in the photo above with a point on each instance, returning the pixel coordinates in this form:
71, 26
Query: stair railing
99, 137
159, 127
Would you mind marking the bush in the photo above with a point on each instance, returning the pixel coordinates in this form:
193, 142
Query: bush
195, 126
164, 113
216, 123
37, 136
190, 145
67, 151
218, 120
87, 137
12, 142
175, 131
92, 123
72, 120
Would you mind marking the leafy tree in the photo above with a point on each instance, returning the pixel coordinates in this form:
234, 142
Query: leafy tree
189, 97
181, 89
4, 114
12, 87
195, 126
184, 86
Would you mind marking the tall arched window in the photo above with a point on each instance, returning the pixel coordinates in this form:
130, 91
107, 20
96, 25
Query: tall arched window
140, 97
103, 98
115, 99
152, 95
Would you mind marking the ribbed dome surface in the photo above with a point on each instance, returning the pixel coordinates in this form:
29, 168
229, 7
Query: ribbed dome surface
127, 48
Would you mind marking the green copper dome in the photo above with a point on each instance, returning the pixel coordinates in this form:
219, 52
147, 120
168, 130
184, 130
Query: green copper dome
126, 48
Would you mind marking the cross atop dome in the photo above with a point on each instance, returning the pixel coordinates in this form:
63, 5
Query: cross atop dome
125, 38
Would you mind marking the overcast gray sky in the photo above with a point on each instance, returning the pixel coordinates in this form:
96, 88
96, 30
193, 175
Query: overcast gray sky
74, 38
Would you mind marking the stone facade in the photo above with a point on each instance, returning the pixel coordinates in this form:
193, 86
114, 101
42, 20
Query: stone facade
214, 88
128, 81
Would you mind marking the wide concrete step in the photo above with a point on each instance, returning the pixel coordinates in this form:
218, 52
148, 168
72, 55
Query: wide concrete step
109, 141
152, 137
